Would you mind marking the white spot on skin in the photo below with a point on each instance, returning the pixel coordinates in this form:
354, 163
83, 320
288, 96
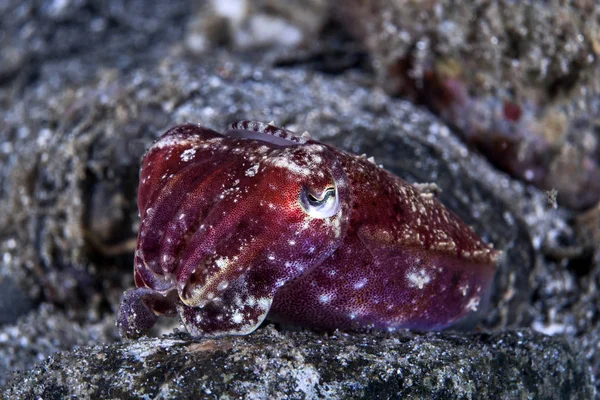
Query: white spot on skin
315, 148
292, 242
238, 301
252, 170
221, 262
188, 154
325, 298
360, 283
305, 226
173, 140
271, 257
463, 289
418, 278
338, 227
473, 303
237, 317
264, 303
288, 164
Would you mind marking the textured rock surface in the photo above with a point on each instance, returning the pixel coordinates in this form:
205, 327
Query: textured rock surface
71, 137
269, 364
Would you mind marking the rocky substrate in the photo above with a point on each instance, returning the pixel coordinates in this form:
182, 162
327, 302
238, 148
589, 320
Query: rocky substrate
304, 365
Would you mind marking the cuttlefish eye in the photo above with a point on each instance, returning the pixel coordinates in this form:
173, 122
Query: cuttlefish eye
323, 204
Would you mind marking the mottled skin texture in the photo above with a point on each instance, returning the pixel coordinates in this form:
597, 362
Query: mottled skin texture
260, 222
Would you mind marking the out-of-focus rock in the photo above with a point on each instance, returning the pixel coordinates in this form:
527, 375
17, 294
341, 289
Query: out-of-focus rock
587, 226
248, 24
14, 302
91, 34
520, 80
43, 332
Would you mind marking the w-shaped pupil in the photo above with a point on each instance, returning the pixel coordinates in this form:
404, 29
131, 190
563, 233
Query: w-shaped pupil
315, 201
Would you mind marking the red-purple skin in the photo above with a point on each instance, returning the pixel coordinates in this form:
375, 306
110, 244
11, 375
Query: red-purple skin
227, 239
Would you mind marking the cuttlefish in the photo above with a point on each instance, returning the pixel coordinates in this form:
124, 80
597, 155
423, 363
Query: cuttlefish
260, 223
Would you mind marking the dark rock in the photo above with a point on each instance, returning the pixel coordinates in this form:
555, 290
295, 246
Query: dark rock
270, 364
13, 302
